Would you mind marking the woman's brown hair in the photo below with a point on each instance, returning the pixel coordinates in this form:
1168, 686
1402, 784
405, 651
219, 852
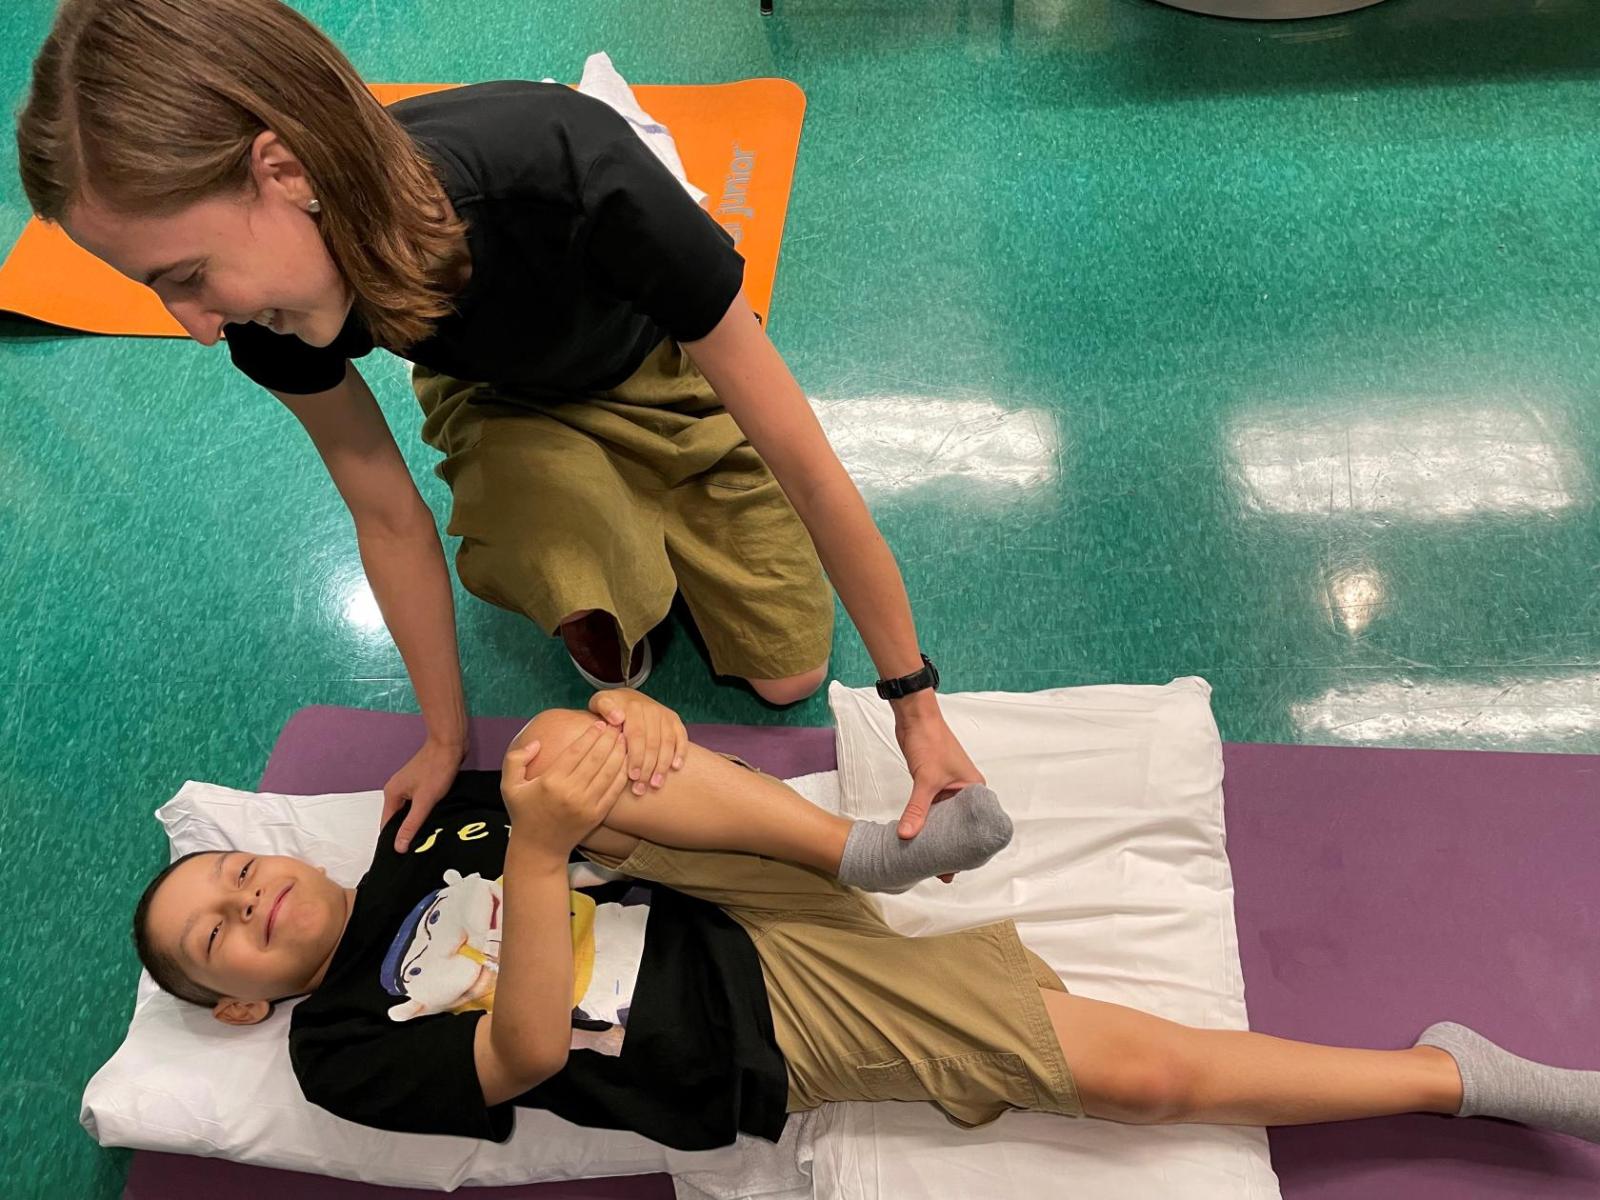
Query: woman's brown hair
154, 105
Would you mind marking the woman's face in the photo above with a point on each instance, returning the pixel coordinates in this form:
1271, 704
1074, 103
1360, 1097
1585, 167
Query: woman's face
256, 256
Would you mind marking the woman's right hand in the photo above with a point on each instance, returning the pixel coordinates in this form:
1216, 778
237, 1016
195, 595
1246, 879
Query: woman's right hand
571, 796
425, 777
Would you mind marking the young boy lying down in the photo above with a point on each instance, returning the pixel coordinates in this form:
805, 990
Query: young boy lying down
692, 963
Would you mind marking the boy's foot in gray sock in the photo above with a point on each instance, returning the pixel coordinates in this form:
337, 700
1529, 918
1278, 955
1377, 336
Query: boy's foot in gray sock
961, 833
1496, 1083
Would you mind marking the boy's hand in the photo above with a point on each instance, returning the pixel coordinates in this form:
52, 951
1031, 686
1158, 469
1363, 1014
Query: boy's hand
571, 796
657, 740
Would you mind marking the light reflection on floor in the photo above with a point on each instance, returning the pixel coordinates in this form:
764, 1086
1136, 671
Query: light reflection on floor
1503, 713
1434, 462
898, 443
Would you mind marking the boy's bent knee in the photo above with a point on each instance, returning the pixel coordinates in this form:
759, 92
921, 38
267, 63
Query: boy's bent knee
791, 689
554, 729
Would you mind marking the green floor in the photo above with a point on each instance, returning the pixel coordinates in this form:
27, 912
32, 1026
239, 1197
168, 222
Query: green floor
1163, 345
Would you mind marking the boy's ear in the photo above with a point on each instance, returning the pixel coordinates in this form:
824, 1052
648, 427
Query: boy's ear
241, 1012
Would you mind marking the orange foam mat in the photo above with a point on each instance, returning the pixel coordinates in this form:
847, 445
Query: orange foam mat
738, 143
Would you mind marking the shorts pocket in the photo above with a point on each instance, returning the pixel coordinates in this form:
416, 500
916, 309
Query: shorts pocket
741, 469
971, 1089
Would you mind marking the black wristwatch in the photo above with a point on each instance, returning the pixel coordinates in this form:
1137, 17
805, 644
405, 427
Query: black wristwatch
895, 689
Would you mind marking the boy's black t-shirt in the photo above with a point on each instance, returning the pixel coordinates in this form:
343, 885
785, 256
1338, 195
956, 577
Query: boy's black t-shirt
586, 251
672, 1034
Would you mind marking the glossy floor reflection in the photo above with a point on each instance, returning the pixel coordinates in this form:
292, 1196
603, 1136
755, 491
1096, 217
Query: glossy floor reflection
1160, 345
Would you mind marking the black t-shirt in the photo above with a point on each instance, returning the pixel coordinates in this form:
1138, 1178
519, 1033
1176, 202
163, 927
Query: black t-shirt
586, 251
672, 1034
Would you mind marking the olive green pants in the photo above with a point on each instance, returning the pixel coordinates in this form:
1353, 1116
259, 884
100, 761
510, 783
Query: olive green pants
616, 501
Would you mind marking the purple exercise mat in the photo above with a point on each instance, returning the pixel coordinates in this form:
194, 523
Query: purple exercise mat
1377, 891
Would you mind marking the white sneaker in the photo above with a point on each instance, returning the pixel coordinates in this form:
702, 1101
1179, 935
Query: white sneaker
636, 680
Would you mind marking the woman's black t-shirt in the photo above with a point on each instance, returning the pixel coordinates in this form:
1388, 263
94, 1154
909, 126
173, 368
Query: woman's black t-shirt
586, 251
671, 1029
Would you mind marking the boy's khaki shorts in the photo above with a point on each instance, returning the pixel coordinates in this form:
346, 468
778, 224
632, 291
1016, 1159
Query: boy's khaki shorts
616, 501
864, 1013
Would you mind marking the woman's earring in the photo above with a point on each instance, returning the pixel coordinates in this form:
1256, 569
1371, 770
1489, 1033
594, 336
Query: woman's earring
315, 206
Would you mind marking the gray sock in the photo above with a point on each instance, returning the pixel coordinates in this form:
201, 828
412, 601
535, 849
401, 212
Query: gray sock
961, 833
1496, 1083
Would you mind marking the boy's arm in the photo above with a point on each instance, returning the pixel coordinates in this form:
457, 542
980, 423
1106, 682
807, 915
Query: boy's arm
526, 1039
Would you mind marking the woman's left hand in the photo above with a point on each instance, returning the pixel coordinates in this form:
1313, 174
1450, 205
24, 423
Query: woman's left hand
939, 766
657, 739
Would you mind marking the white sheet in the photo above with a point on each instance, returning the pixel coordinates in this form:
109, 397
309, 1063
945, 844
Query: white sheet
1118, 878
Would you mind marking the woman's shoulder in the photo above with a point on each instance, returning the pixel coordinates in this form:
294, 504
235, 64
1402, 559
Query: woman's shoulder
512, 99
513, 137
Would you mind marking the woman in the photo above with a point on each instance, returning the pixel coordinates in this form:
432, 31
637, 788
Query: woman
615, 423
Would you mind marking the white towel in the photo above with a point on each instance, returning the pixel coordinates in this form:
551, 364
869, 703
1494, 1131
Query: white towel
750, 1169
601, 80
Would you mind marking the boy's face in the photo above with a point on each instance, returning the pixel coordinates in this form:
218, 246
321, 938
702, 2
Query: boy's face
252, 927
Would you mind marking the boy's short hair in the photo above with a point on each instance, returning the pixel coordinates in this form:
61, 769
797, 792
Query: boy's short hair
164, 968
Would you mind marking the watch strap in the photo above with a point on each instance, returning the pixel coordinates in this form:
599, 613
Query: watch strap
905, 685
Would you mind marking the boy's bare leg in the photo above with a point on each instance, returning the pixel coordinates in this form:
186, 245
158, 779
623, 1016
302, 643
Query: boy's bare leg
710, 804
1139, 1069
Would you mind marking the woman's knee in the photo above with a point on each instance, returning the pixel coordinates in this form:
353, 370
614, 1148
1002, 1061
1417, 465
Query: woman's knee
486, 571
792, 689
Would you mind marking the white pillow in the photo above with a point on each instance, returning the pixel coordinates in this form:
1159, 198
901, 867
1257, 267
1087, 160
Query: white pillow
184, 1083
1117, 876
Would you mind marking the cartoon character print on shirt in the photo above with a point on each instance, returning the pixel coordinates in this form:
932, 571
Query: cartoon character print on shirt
447, 952
446, 955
